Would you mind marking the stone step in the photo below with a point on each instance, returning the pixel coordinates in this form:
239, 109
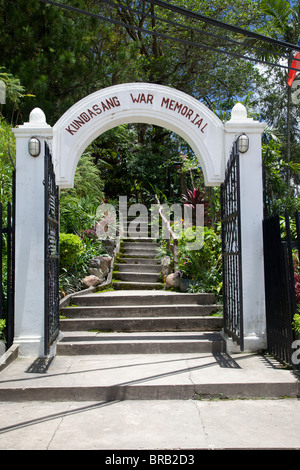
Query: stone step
136, 277
140, 244
135, 267
143, 254
106, 311
144, 324
146, 239
142, 261
137, 285
141, 298
139, 311
82, 343
140, 252
138, 235
147, 377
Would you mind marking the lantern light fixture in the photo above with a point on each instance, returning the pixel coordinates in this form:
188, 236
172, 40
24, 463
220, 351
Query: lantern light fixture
34, 147
243, 143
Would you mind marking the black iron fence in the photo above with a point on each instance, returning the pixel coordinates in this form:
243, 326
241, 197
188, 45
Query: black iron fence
7, 265
281, 258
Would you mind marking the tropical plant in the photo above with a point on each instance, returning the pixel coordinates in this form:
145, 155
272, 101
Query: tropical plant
193, 198
84, 249
282, 21
204, 266
70, 246
13, 92
78, 205
296, 321
2, 329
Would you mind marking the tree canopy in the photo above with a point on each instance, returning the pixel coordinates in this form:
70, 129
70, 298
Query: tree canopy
51, 57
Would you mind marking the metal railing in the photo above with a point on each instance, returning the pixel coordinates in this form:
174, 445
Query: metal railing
281, 304
172, 239
7, 266
231, 250
51, 253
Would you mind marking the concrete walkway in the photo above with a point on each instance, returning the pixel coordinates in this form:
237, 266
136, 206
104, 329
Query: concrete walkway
162, 424
92, 402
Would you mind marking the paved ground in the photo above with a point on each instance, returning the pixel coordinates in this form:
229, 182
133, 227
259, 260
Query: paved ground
163, 424
80, 422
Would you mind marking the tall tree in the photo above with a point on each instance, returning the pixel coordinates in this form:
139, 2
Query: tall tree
282, 22
60, 56
178, 51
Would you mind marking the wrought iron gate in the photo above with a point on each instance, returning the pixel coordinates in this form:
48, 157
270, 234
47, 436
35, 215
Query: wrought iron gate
281, 303
51, 253
231, 250
7, 265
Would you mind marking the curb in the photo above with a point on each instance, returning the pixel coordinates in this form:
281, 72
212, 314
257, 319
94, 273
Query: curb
9, 356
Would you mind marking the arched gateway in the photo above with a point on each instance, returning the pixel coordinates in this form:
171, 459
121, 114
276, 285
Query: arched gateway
210, 139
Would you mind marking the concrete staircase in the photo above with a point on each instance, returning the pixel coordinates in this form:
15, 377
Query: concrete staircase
140, 322
137, 342
137, 267
139, 317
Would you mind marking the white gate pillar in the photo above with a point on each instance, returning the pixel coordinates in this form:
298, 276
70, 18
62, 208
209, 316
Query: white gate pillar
30, 222
251, 207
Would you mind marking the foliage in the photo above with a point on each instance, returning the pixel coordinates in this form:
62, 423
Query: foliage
14, 93
279, 197
297, 278
61, 56
205, 265
70, 246
56, 54
127, 154
2, 328
282, 21
194, 197
78, 205
71, 275
296, 322
296, 318
7, 158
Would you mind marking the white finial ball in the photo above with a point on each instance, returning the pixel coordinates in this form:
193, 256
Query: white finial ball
37, 116
239, 113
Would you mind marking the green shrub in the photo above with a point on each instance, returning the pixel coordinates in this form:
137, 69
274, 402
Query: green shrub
2, 328
296, 321
204, 266
70, 248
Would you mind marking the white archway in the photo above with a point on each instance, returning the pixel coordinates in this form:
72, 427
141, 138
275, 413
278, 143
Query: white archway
210, 139
139, 103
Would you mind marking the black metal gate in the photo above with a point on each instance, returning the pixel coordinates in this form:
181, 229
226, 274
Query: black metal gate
7, 266
231, 250
280, 286
51, 253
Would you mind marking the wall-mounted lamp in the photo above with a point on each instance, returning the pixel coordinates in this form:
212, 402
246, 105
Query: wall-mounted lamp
243, 143
34, 147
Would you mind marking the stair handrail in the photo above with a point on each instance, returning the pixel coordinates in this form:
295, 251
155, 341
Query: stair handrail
173, 247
